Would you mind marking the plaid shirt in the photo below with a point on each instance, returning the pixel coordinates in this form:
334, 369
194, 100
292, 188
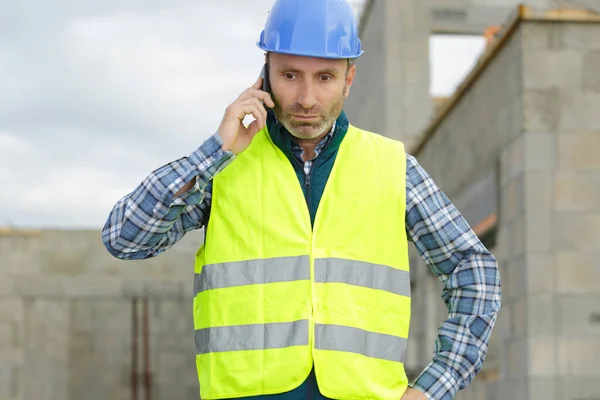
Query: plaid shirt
149, 220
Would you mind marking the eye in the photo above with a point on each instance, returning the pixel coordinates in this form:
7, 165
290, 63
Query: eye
289, 76
325, 78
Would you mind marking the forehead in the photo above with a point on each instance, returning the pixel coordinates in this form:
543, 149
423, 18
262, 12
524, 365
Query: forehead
307, 64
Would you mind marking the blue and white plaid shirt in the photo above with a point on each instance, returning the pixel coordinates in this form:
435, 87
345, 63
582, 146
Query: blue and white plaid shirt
150, 220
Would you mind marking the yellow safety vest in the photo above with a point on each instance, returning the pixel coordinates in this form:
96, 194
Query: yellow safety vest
274, 295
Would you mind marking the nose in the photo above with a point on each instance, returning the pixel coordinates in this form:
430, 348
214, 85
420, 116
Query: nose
307, 97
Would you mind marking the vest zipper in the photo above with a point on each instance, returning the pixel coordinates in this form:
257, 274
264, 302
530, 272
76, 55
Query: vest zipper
308, 187
310, 383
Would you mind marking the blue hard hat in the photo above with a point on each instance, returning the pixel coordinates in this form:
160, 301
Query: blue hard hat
312, 28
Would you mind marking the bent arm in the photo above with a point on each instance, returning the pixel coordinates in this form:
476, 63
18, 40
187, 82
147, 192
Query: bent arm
159, 211
471, 279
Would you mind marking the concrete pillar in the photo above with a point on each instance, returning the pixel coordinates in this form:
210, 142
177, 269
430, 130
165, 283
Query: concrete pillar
391, 92
551, 219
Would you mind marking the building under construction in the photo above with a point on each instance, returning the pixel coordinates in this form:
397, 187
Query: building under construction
515, 148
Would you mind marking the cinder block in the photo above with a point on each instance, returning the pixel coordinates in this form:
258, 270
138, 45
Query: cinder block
538, 230
540, 273
579, 314
517, 388
492, 390
17, 260
91, 286
539, 190
7, 287
577, 273
8, 381
40, 285
173, 361
579, 387
512, 197
499, 126
541, 110
54, 262
547, 69
12, 309
539, 151
576, 35
519, 236
534, 36
520, 316
515, 123
515, 158
543, 388
576, 231
477, 390
542, 360
578, 356
7, 334
468, 393
154, 288
579, 151
591, 66
417, 70
191, 392
540, 316
515, 284
577, 191
578, 111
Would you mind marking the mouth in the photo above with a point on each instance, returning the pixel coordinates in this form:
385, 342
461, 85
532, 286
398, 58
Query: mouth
305, 117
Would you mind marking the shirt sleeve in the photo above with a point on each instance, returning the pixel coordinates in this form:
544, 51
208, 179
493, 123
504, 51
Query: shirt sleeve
150, 219
471, 285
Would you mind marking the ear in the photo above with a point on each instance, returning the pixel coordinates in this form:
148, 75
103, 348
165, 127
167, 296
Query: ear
350, 79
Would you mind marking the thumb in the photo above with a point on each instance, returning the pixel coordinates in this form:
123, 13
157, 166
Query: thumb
253, 128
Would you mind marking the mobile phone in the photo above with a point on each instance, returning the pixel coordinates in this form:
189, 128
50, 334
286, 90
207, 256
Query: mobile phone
264, 74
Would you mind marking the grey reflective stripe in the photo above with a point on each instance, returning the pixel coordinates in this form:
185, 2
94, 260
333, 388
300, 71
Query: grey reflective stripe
363, 274
354, 340
252, 272
252, 337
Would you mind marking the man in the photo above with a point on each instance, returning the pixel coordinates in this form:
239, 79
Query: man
302, 286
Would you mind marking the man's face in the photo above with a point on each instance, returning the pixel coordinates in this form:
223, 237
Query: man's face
308, 93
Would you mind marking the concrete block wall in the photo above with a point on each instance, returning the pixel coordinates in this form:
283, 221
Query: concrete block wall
45, 342
561, 170
102, 331
65, 318
532, 116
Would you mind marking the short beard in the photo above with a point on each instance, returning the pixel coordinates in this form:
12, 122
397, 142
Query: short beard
327, 117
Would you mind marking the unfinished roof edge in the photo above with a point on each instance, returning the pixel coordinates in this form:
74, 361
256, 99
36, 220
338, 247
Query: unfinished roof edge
9, 231
523, 13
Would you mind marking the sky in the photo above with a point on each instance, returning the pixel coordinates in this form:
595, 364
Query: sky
96, 95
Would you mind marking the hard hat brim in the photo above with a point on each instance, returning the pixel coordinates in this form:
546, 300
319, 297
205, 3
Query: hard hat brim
308, 54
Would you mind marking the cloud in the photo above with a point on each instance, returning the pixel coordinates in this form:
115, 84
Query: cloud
98, 94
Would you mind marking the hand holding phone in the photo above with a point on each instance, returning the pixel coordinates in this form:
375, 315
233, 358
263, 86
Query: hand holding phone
266, 83
237, 137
